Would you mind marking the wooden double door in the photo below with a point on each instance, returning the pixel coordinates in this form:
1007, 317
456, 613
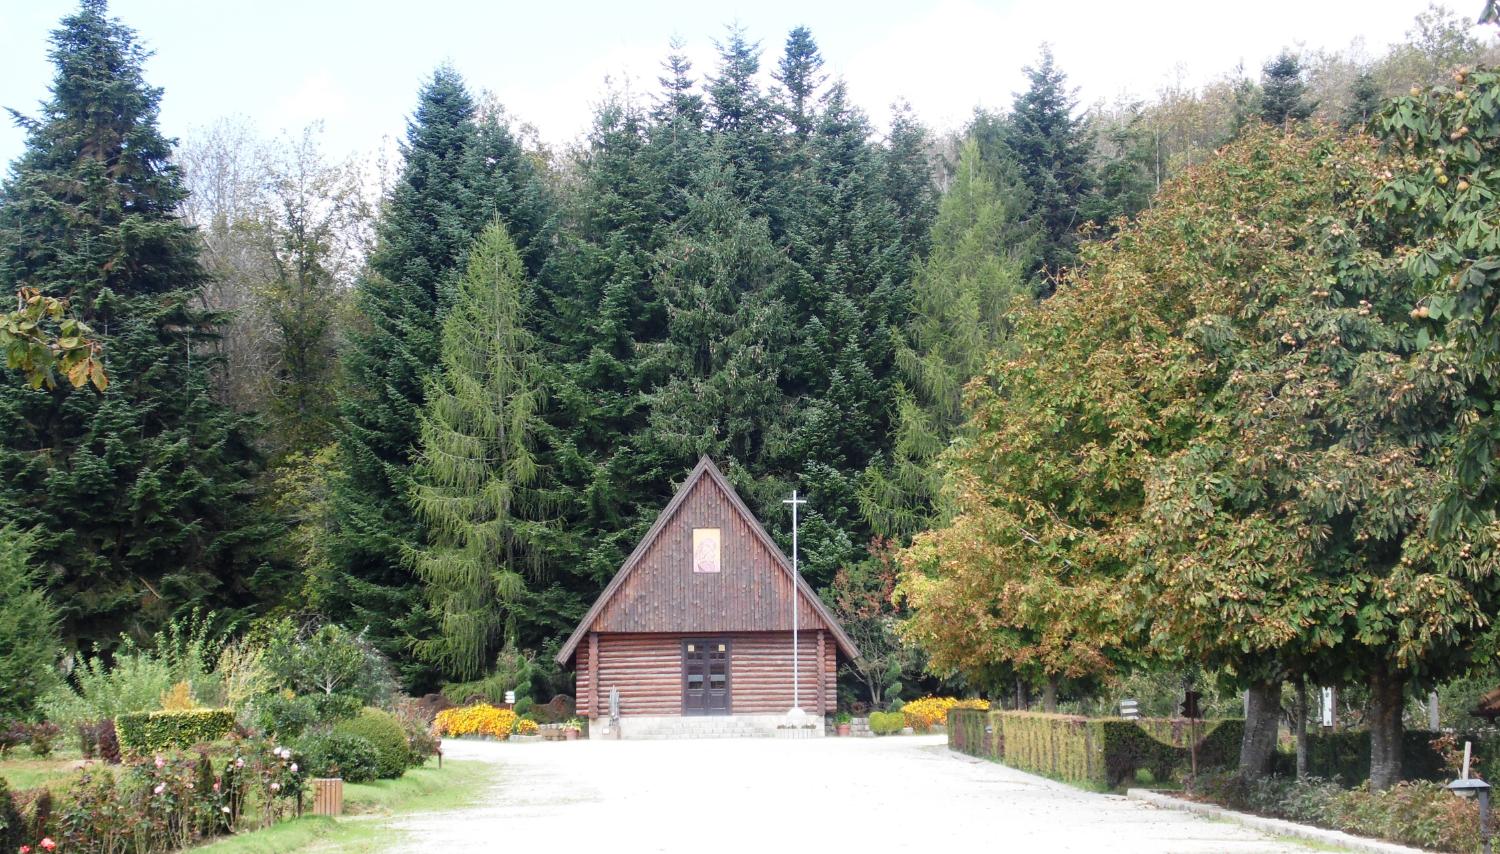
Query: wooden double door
705, 676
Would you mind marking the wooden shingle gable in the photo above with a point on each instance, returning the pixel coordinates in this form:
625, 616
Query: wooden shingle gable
654, 589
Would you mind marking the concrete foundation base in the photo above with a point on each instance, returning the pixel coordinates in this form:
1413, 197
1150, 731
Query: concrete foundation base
707, 726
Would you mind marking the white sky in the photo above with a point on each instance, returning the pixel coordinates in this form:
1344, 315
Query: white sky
357, 65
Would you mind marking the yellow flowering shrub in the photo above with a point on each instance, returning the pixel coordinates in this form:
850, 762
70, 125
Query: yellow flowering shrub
525, 727
480, 719
924, 714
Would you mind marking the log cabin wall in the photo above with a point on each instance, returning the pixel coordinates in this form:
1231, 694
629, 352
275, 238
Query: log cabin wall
647, 668
750, 592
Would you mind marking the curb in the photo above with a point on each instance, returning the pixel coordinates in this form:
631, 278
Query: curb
1278, 826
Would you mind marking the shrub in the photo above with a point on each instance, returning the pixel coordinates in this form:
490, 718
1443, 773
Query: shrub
41, 737
12, 827
525, 726
335, 754
12, 734
290, 716
887, 723
383, 731
328, 659
479, 719
421, 743
109, 742
148, 732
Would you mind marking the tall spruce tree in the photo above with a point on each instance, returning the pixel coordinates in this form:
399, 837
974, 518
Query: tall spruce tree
1364, 102
459, 174
1053, 150
138, 493
476, 480
974, 277
1283, 93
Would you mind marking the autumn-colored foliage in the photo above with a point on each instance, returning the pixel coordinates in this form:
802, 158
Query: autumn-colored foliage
928, 712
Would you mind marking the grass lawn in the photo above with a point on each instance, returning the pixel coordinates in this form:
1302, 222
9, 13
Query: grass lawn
23, 771
365, 804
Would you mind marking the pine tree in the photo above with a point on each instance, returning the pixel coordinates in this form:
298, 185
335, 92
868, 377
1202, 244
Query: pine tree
1283, 94
29, 644
800, 74
1364, 101
1053, 150
460, 173
476, 481
975, 276
138, 494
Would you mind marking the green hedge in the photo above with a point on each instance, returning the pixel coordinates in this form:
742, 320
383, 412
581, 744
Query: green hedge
1346, 756
147, 732
1095, 752
384, 732
887, 723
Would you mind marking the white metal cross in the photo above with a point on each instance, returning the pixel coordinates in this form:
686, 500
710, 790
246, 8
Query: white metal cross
796, 606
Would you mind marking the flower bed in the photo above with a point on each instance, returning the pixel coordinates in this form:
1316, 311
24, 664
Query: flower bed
928, 712
479, 719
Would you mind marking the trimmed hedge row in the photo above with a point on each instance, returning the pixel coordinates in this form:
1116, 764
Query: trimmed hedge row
1099, 753
147, 732
1346, 756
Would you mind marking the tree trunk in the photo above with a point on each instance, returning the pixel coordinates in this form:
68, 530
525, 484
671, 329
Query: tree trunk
1387, 693
1262, 722
1049, 695
1301, 730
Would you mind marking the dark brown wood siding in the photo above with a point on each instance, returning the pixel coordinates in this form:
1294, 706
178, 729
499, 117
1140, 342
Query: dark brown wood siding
647, 668
751, 592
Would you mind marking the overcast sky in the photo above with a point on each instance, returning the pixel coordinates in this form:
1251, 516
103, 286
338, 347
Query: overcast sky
357, 65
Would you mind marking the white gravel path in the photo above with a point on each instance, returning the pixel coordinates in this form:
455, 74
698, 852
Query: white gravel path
726, 796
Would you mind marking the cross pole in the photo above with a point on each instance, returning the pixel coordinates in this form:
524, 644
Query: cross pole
796, 606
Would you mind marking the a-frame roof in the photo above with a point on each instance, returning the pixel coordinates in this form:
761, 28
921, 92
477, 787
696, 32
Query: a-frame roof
705, 469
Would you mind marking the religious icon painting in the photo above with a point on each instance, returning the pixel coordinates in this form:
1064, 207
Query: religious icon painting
705, 550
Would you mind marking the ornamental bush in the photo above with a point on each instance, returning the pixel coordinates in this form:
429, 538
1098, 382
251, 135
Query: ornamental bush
337, 754
384, 732
478, 719
887, 723
147, 732
289, 716
525, 726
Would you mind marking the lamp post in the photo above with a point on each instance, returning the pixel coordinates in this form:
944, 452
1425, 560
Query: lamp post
796, 711
1467, 786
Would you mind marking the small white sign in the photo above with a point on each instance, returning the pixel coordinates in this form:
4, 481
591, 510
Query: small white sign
1328, 707
510, 698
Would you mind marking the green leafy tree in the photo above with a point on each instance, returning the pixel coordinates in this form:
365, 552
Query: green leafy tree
140, 495
476, 481
29, 643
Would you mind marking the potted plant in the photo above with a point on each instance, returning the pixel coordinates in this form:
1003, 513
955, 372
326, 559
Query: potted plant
842, 723
572, 729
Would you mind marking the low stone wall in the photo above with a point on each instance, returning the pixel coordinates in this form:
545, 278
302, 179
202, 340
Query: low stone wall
704, 726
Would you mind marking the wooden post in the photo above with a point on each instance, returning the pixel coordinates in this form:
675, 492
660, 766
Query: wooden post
593, 707
822, 691
328, 796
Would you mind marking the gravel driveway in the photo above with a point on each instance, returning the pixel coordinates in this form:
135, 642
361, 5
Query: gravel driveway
887, 795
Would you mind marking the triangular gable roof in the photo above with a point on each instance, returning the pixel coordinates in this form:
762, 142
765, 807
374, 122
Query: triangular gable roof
705, 468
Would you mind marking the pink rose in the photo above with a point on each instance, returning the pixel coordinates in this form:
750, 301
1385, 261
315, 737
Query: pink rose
160, 787
294, 767
216, 786
275, 787
47, 843
25, 849
160, 762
